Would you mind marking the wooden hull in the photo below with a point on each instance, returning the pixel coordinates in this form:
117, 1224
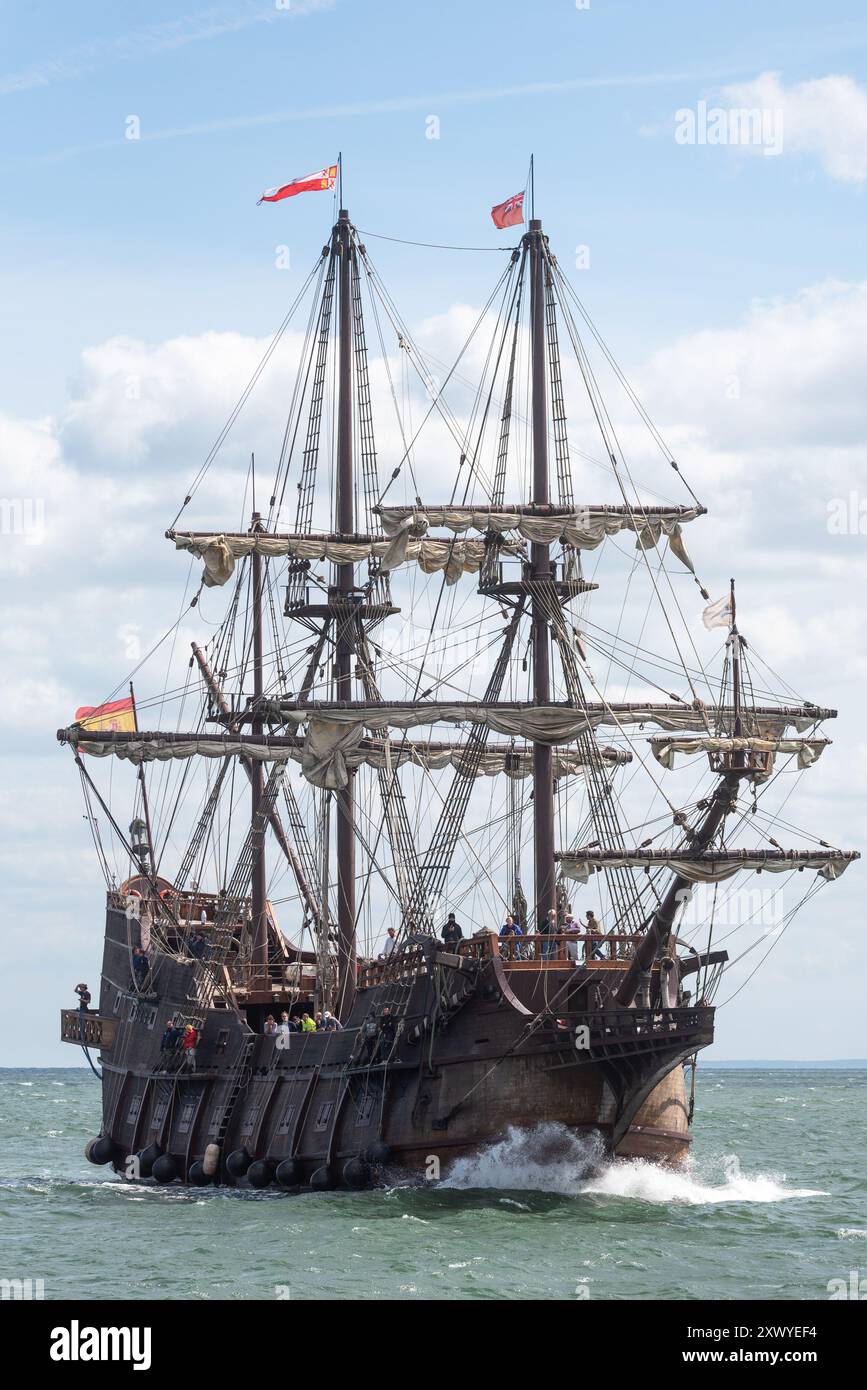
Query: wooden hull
471, 1062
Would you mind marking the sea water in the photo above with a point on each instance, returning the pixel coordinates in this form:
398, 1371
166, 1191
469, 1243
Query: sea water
773, 1204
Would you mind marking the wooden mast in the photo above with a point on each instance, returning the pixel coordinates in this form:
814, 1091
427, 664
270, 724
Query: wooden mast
346, 948
144, 792
722, 802
542, 591
259, 962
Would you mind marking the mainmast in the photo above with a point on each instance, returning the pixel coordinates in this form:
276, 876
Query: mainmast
346, 950
542, 593
259, 889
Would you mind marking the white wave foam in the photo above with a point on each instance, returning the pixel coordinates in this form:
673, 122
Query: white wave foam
851, 1233
649, 1182
550, 1158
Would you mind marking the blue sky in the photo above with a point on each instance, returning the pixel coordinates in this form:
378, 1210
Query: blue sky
705, 264
104, 235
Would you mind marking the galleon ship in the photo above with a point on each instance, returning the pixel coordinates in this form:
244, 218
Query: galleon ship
405, 711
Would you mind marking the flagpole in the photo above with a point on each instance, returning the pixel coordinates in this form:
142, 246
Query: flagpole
144, 791
532, 189
339, 178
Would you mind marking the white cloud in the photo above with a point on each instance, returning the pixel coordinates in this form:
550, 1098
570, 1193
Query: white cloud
824, 116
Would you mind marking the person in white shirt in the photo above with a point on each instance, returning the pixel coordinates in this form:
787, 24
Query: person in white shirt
388, 944
573, 947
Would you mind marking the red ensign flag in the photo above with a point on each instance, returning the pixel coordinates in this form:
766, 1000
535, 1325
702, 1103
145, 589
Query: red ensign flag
510, 213
326, 178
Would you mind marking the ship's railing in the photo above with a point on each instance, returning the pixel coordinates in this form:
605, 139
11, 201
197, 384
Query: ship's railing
611, 1025
552, 946
78, 1026
544, 948
401, 968
185, 907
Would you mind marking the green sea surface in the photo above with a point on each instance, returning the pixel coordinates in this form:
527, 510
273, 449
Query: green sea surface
773, 1205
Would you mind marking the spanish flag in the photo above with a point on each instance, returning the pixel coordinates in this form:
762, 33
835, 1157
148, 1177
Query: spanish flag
117, 717
308, 183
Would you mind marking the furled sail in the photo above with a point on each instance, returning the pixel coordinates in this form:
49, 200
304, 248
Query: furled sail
334, 742
583, 527
548, 724
325, 766
807, 750
220, 551
708, 867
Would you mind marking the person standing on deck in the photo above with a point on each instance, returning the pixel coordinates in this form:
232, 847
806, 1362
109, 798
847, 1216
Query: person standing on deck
271, 1030
369, 1041
548, 928
83, 1006
573, 946
189, 1045
594, 928
387, 1035
388, 944
330, 1024
140, 967
509, 932
170, 1037
451, 933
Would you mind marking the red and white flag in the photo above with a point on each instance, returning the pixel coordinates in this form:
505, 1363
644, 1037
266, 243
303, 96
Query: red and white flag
308, 183
510, 213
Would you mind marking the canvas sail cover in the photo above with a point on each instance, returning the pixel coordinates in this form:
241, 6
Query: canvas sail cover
550, 724
807, 751
584, 528
707, 867
219, 552
332, 743
330, 753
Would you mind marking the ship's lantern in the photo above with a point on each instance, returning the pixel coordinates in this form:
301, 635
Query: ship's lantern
139, 843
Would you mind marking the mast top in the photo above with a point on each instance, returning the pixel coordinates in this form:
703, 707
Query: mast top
535, 224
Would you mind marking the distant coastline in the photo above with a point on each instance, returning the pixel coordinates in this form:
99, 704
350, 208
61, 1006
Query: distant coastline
781, 1064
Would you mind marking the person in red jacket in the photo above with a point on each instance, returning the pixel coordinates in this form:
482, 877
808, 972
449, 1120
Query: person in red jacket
189, 1045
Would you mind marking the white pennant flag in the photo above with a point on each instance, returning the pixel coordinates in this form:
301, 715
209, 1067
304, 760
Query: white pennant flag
718, 614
